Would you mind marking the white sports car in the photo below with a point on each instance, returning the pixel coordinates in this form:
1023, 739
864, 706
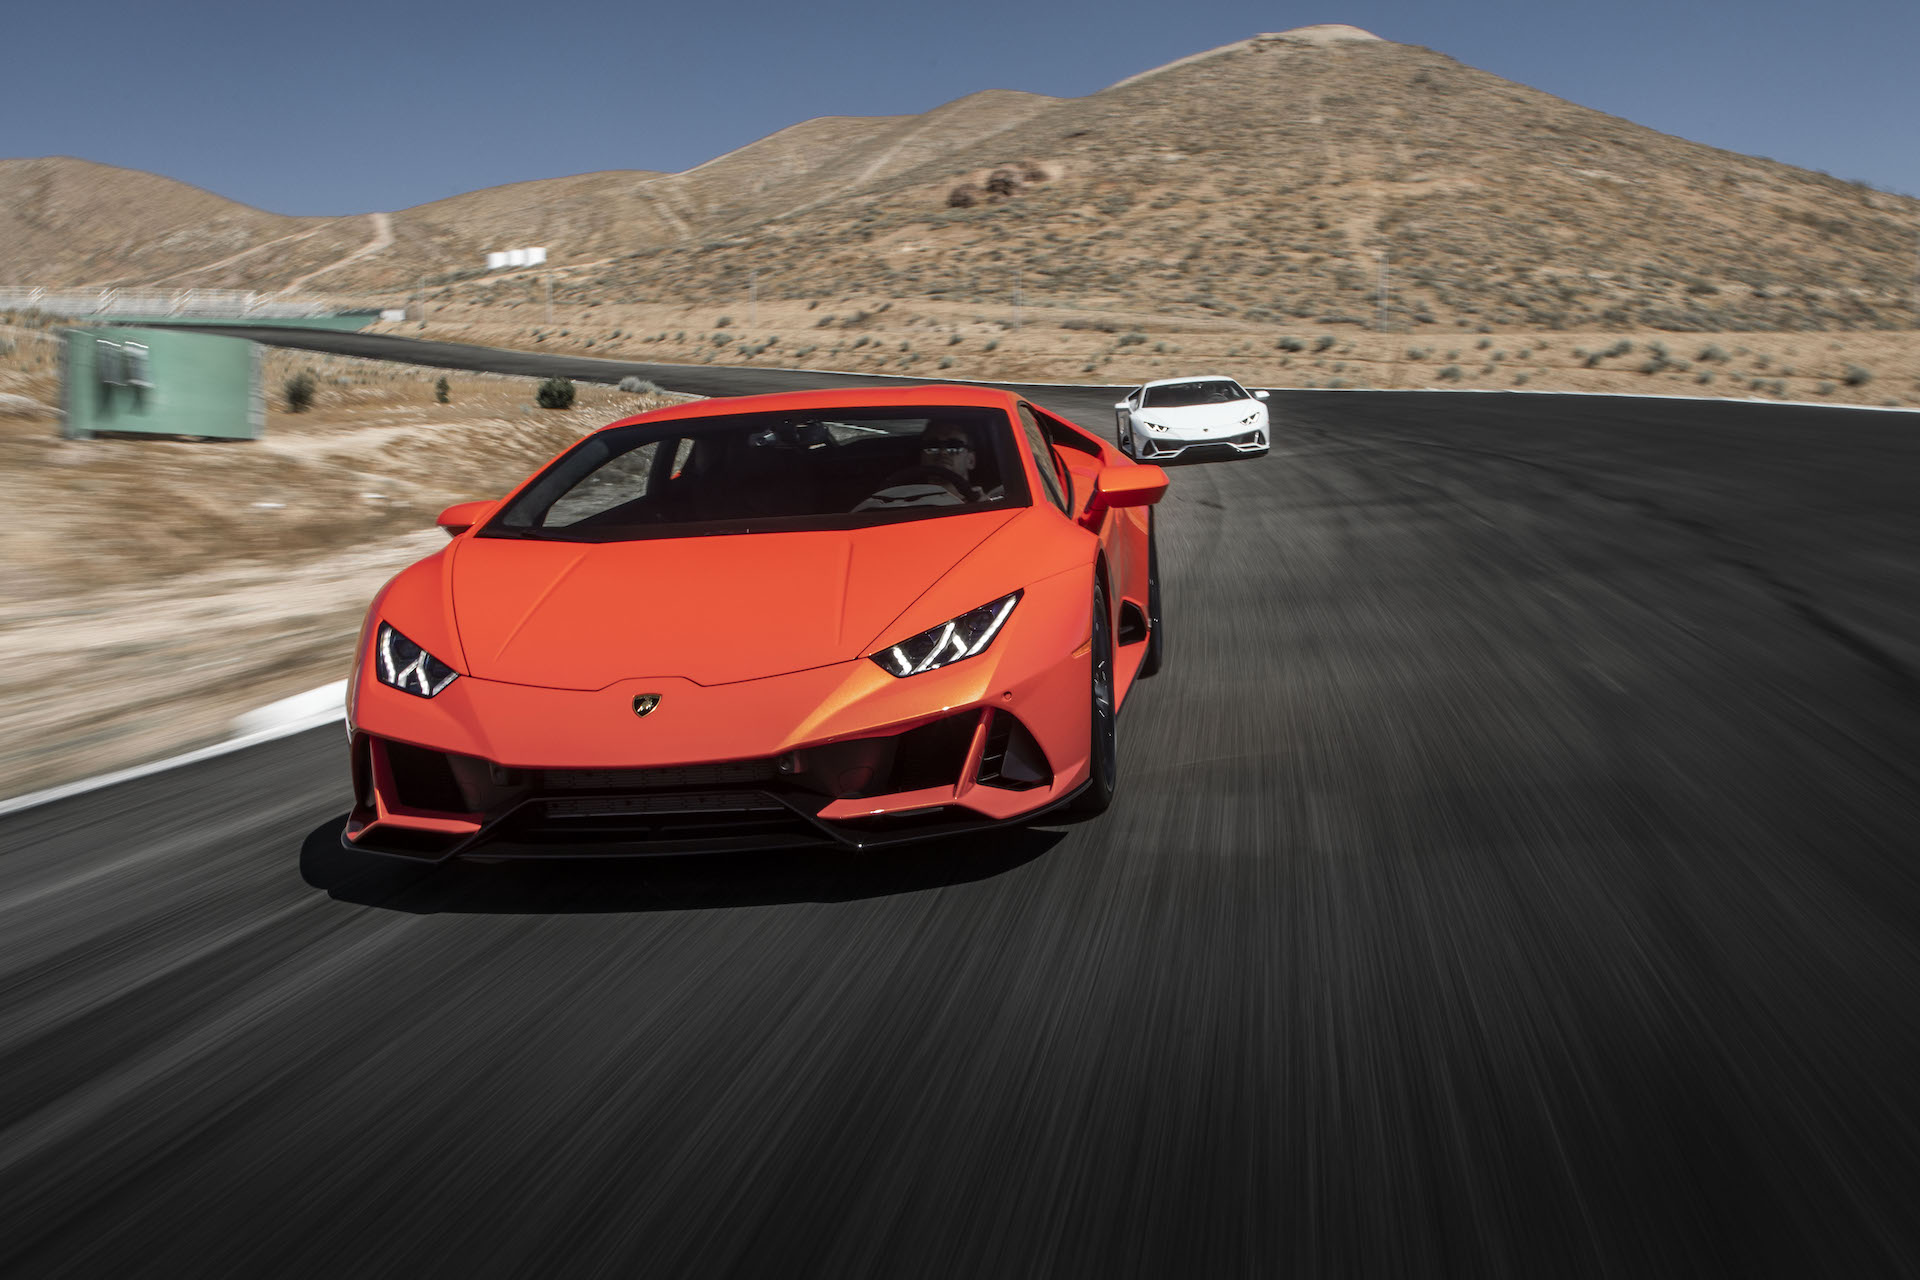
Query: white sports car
1168, 416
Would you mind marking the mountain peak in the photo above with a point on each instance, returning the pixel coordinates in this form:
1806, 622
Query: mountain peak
1323, 33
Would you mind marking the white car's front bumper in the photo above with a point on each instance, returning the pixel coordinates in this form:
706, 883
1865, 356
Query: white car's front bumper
1157, 442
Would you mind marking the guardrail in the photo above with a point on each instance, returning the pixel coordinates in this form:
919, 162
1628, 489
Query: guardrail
168, 302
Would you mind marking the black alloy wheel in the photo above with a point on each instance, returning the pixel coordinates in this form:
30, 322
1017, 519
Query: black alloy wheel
1103, 757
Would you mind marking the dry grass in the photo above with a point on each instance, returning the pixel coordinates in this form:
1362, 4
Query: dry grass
1115, 345
161, 587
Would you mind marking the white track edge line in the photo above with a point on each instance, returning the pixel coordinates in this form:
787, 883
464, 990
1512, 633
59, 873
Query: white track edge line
241, 742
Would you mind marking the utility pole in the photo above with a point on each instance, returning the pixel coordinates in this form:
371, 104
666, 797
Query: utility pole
753, 300
1380, 324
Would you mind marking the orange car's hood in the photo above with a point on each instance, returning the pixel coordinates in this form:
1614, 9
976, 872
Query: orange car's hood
568, 615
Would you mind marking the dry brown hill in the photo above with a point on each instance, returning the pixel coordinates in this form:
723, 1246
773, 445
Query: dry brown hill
1262, 180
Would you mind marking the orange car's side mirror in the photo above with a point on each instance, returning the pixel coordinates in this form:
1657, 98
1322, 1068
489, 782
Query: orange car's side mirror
462, 516
1130, 485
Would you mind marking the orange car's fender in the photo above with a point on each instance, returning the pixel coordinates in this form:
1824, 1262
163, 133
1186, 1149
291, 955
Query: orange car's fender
1040, 543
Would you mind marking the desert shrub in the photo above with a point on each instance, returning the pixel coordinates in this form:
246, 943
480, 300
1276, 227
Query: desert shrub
638, 386
1825, 388
443, 391
299, 390
1711, 355
1416, 353
1130, 339
1450, 374
1620, 348
964, 196
1855, 376
955, 340
1483, 344
1705, 377
991, 344
1323, 342
1521, 379
1003, 182
946, 362
723, 322
555, 393
1291, 344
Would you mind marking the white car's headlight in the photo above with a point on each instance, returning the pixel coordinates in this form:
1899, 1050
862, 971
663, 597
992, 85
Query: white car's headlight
404, 665
1250, 419
948, 643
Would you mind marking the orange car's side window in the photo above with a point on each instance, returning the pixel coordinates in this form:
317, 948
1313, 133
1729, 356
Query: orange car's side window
1044, 462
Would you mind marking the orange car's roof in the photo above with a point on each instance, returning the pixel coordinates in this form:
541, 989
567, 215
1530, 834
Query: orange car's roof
831, 398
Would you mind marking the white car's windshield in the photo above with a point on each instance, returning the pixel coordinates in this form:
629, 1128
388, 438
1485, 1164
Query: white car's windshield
1184, 395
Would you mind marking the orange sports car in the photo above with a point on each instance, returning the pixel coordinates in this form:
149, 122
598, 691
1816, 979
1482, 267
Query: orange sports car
850, 617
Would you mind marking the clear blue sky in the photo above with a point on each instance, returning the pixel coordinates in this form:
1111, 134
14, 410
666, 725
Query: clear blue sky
345, 106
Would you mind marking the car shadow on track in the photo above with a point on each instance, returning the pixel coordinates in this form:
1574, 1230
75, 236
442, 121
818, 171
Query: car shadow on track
586, 885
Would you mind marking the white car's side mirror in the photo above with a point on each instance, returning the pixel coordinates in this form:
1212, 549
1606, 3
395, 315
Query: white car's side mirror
1259, 395
1124, 404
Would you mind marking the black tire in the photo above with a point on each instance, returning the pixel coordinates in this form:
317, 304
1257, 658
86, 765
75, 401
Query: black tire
1156, 654
1125, 441
1103, 760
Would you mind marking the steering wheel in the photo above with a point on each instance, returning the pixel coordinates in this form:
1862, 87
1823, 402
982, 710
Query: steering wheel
912, 477
925, 474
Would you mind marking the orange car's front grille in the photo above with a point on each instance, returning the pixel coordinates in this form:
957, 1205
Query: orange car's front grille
728, 773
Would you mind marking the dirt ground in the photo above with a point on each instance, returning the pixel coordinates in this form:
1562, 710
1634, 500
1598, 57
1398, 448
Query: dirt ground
963, 340
162, 587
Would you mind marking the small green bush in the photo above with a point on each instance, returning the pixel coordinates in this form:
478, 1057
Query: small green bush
555, 393
443, 391
638, 386
723, 322
1856, 376
1130, 339
299, 391
1323, 342
1450, 374
1291, 344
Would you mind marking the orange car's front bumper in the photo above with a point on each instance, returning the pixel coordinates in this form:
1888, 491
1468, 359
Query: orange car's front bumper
844, 754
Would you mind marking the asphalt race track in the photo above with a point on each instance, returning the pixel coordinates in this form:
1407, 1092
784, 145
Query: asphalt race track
1514, 875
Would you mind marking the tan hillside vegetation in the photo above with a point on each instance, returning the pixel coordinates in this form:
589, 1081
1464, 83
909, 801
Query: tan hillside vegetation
155, 588
1259, 183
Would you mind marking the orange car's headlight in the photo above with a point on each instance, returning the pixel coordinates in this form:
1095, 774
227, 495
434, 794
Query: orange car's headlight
948, 643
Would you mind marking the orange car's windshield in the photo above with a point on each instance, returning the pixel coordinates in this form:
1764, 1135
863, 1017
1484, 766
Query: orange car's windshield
766, 472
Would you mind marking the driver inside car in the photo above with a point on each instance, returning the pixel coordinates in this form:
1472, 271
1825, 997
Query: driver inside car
945, 475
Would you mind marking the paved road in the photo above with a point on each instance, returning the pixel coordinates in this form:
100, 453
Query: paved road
1514, 876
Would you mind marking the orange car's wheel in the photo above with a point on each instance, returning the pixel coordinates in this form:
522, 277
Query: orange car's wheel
1103, 755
